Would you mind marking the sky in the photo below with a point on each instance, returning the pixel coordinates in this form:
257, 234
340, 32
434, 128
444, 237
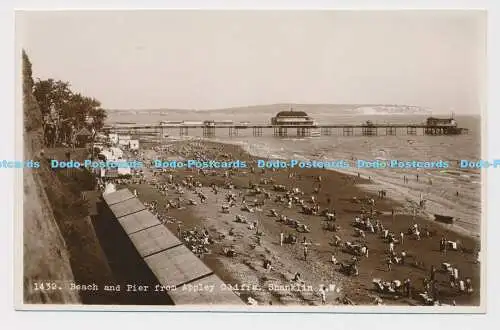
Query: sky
221, 59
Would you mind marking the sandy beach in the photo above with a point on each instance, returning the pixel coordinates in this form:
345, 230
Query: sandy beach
195, 199
437, 187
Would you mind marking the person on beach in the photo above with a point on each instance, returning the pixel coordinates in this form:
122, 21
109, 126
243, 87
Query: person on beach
417, 177
322, 293
433, 273
452, 281
455, 275
468, 285
334, 260
389, 264
305, 252
461, 286
435, 291
282, 237
402, 235
407, 287
267, 265
391, 247
426, 284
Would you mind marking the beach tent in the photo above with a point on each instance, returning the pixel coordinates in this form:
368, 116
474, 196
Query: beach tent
117, 153
134, 144
110, 188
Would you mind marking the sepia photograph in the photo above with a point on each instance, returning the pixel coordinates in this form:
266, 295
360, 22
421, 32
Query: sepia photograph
252, 160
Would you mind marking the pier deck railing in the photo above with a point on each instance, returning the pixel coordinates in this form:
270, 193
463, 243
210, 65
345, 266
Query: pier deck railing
302, 130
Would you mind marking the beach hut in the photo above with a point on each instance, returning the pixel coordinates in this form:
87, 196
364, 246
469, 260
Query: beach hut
116, 153
134, 145
82, 137
112, 138
124, 140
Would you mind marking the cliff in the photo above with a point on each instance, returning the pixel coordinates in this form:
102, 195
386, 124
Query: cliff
45, 256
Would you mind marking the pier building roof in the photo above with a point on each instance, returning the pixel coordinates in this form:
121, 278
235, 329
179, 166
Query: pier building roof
292, 114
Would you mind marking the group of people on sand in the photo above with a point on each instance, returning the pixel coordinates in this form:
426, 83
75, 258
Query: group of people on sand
289, 198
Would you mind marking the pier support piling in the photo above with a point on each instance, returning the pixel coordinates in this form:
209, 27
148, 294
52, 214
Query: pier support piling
326, 131
411, 130
257, 131
347, 131
233, 131
303, 131
280, 131
208, 131
390, 131
369, 131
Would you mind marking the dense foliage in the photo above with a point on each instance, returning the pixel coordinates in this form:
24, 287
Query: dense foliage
64, 111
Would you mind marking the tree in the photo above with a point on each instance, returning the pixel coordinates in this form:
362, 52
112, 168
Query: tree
98, 116
73, 110
52, 94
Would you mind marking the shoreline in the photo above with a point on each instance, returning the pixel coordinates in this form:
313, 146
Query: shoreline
252, 250
400, 194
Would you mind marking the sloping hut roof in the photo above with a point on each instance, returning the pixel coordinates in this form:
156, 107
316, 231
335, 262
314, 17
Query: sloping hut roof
83, 132
291, 114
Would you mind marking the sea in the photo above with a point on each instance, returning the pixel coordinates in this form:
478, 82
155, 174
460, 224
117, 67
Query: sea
457, 191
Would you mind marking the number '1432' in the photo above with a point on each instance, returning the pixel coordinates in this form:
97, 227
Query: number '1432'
45, 286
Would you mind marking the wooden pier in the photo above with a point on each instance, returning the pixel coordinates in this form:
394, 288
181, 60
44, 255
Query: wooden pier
210, 131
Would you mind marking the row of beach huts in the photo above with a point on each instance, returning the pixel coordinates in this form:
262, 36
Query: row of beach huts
178, 271
112, 147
